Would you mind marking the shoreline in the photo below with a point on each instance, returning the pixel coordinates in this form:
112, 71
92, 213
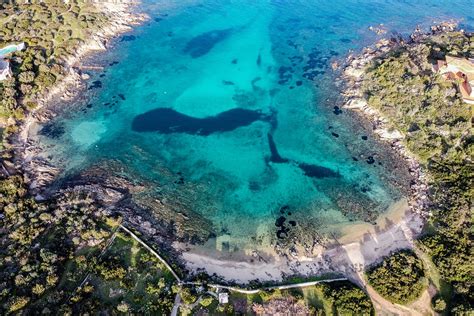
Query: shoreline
361, 245
122, 18
356, 102
122, 21
348, 257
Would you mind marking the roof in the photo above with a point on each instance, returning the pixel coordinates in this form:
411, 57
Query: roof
4, 64
466, 91
449, 75
463, 64
223, 298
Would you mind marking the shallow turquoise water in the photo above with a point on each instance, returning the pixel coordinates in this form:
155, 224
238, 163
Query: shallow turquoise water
269, 58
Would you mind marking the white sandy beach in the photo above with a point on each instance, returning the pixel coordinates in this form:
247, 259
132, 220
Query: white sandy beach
360, 246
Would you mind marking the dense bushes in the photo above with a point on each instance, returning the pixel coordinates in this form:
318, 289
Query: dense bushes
41, 237
437, 125
52, 31
347, 298
399, 277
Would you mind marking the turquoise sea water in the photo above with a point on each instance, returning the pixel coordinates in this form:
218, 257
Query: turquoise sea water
225, 109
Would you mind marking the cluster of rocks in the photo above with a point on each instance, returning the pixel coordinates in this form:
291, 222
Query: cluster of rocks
379, 29
283, 229
354, 99
445, 26
38, 169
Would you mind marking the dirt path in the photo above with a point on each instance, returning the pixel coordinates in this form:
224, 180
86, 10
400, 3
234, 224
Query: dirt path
384, 307
177, 303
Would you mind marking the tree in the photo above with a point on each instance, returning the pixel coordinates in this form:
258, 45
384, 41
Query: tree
399, 277
205, 302
26, 77
439, 305
347, 298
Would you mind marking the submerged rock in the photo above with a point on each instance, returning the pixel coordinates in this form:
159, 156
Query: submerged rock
167, 121
280, 221
337, 110
128, 38
95, 84
285, 74
202, 44
52, 130
314, 171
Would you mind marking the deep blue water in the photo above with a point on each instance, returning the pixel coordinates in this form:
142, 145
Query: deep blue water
226, 108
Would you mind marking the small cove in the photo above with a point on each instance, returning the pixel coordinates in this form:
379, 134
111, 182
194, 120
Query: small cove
227, 110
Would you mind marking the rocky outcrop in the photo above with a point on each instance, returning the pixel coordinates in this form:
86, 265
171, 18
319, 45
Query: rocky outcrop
354, 99
38, 169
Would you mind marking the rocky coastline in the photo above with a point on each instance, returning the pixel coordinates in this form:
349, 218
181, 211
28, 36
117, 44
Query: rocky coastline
341, 256
114, 192
354, 99
110, 191
122, 17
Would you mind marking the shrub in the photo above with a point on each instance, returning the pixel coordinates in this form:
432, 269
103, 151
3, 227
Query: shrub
399, 277
206, 301
347, 298
439, 305
187, 296
18, 303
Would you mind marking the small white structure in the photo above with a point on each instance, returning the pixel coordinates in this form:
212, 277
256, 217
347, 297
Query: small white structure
223, 298
5, 71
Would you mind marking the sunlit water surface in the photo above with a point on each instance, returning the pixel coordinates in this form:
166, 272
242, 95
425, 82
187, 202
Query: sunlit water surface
225, 108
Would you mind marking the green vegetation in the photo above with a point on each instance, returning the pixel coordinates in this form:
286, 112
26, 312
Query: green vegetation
347, 299
40, 241
439, 305
399, 277
65, 255
335, 298
437, 125
57, 254
52, 31
126, 278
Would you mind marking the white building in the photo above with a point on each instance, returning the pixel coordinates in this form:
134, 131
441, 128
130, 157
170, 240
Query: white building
223, 298
5, 71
